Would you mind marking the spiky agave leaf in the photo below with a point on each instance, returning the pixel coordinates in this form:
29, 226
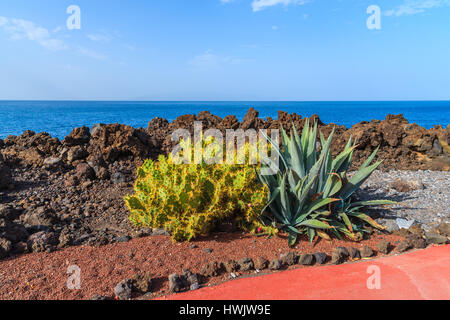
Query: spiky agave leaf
311, 193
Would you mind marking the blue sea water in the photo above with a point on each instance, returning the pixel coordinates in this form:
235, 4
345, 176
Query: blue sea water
59, 117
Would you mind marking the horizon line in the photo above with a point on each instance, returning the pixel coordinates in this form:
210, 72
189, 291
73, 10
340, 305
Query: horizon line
135, 100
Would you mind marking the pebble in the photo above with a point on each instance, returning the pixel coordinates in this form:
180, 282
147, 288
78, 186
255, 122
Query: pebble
428, 206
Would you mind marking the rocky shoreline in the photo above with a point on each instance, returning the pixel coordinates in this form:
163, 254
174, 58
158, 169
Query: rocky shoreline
55, 194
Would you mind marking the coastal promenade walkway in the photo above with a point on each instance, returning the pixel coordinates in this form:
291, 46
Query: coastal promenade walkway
423, 274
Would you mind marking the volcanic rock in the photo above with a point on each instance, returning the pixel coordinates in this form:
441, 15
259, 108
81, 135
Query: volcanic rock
434, 238
78, 136
6, 181
320, 257
231, 266
354, 254
123, 290
141, 283
384, 246
416, 241
404, 246
306, 259
339, 255
261, 263
84, 172
275, 264
42, 242
5, 247
76, 153
444, 229
289, 258
211, 269
246, 264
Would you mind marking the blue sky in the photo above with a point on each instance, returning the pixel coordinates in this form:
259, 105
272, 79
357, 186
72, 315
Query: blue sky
225, 50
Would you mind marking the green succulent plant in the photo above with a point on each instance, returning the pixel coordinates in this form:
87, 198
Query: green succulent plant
311, 194
190, 200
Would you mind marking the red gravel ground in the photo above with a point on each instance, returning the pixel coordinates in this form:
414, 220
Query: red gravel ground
44, 275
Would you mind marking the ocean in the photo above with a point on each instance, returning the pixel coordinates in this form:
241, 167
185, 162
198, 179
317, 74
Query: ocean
59, 117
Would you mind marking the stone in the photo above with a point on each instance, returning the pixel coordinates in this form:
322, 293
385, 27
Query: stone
231, 266
40, 217
141, 283
72, 181
404, 224
116, 142
306, 259
124, 239
6, 180
384, 246
246, 264
407, 186
65, 239
211, 269
123, 290
339, 255
78, 136
344, 252
117, 178
102, 173
8, 212
261, 263
275, 264
354, 254
434, 238
194, 286
416, 230
391, 226
76, 153
20, 247
320, 257
5, 247
208, 250
160, 232
404, 246
416, 184
366, 252
189, 278
401, 186
444, 229
84, 172
175, 283
401, 232
417, 241
250, 120
42, 242
289, 258
52, 161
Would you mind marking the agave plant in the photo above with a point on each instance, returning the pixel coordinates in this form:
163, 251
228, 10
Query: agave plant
311, 193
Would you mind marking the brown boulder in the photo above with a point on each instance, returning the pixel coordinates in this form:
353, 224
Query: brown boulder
6, 181
84, 172
211, 269
78, 136
261, 263
251, 120
119, 142
231, 266
76, 153
384, 246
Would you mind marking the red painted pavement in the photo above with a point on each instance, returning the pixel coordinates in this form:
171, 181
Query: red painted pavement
423, 274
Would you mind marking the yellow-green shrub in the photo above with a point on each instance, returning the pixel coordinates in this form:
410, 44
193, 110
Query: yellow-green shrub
191, 199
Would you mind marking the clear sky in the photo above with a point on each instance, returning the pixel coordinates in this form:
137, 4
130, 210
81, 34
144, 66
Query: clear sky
225, 50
